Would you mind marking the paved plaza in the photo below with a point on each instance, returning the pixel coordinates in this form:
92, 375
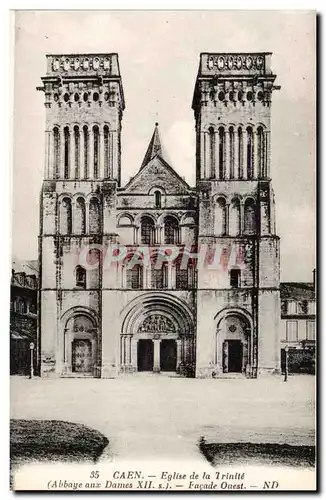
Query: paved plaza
148, 416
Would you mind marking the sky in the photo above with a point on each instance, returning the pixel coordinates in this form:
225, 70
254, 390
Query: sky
159, 57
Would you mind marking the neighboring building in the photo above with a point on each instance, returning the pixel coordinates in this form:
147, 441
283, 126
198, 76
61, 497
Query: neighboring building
104, 321
298, 326
23, 315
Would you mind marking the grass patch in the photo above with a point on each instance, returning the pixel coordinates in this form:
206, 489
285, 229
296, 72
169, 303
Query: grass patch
35, 440
219, 454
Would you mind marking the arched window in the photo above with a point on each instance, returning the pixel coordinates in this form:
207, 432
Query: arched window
77, 150
94, 216
159, 273
220, 217
221, 153
235, 275
80, 216
134, 277
250, 156
261, 152
171, 230
231, 151
86, 152
147, 231
184, 274
249, 217
107, 174
240, 153
65, 216
158, 199
211, 149
234, 221
80, 277
66, 153
56, 153
96, 138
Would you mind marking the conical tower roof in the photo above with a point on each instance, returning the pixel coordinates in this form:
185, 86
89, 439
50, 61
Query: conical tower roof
154, 147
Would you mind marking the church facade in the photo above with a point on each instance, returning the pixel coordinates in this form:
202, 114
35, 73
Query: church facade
156, 275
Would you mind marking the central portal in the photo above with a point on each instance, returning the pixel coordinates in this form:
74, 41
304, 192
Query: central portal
168, 355
145, 355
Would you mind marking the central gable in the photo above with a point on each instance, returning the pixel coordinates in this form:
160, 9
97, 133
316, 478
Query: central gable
157, 173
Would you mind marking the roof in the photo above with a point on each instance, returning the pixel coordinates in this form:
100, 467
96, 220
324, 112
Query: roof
25, 266
297, 291
154, 147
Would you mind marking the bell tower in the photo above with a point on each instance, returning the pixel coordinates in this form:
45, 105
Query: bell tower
84, 103
232, 107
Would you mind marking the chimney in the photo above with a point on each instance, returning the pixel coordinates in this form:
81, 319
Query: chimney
314, 278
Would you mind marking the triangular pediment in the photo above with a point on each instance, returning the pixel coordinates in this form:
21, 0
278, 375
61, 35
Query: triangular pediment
157, 173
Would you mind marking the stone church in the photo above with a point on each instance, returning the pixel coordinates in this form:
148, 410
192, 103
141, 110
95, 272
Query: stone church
195, 291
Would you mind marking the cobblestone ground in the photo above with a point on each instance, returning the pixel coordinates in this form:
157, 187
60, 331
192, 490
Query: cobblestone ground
157, 416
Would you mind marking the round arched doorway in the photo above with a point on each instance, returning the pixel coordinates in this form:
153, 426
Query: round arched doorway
157, 336
80, 349
233, 351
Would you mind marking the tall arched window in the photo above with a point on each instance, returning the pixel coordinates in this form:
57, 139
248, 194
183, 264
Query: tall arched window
134, 277
96, 159
80, 277
221, 153
250, 156
231, 151
234, 220
77, 150
211, 149
240, 153
158, 199
66, 153
159, 273
65, 216
184, 274
106, 151
80, 216
94, 216
261, 152
171, 230
56, 153
220, 217
86, 152
249, 217
147, 231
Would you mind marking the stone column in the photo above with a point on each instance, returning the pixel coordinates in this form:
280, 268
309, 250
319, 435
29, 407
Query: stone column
227, 219
102, 155
236, 154
114, 168
134, 354
157, 361
241, 217
227, 158
128, 353
110, 158
72, 151
62, 154
178, 353
207, 158
81, 154
255, 155
47, 164
245, 153
202, 155
91, 154
170, 275
267, 154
